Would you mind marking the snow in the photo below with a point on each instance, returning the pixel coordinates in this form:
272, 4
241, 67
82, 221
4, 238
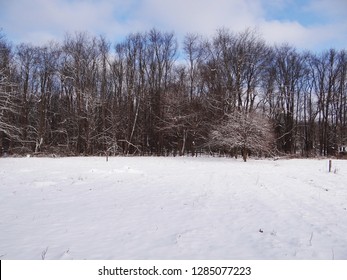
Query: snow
172, 208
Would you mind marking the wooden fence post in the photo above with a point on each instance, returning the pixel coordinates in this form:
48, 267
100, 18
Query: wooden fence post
330, 164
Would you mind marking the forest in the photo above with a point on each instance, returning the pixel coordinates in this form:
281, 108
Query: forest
149, 94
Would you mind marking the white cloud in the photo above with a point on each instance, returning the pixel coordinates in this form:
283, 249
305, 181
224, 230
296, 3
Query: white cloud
37, 21
203, 16
277, 32
328, 28
328, 8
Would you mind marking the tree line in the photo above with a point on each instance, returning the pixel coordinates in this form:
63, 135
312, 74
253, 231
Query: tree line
146, 95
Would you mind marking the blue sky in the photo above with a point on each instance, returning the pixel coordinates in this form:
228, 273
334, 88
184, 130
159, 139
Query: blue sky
306, 24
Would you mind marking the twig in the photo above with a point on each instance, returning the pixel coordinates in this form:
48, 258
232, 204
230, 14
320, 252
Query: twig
311, 238
43, 254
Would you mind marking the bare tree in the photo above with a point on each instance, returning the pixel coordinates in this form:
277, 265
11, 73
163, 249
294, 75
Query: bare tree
326, 70
9, 105
26, 59
81, 68
194, 49
289, 71
159, 59
47, 80
85, 97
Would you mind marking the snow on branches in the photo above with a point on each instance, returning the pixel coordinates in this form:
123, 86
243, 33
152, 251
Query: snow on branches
243, 132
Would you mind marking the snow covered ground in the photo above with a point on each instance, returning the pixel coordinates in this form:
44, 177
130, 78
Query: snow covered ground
172, 208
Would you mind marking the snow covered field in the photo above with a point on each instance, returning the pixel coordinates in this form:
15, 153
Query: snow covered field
172, 208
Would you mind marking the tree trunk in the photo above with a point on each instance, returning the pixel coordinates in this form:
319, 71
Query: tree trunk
244, 154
